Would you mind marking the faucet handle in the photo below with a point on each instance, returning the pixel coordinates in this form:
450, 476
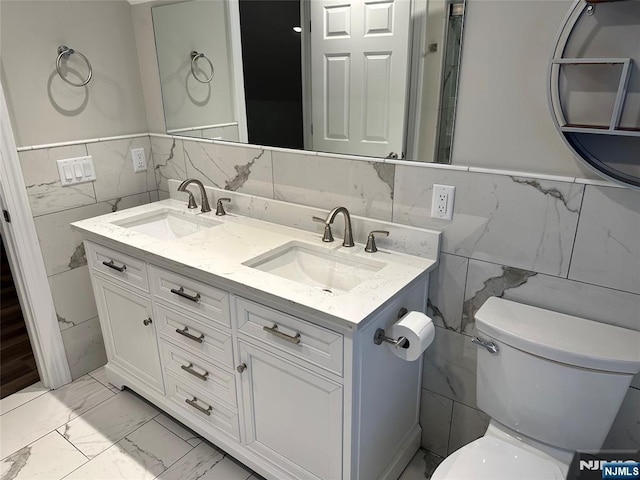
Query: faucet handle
328, 235
219, 208
371, 240
192, 200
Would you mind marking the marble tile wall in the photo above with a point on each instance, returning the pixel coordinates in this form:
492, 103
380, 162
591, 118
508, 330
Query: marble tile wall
54, 207
558, 243
553, 242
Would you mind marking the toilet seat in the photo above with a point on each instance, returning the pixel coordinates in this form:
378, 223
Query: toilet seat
490, 458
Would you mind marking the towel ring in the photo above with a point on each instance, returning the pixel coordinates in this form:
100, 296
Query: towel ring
194, 59
65, 52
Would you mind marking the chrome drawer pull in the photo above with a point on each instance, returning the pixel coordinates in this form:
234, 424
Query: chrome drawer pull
274, 330
110, 264
184, 332
180, 292
206, 411
189, 369
490, 346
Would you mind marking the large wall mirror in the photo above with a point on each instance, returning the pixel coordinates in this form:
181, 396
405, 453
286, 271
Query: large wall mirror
362, 77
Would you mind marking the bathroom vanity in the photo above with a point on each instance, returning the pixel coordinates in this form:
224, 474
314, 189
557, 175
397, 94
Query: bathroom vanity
259, 337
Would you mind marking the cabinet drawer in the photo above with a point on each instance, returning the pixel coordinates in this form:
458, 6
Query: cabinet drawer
117, 265
312, 343
203, 407
191, 295
198, 373
195, 335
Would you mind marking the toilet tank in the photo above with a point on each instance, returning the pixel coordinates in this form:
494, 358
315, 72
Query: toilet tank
556, 378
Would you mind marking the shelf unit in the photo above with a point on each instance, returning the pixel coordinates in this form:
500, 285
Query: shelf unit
611, 150
614, 125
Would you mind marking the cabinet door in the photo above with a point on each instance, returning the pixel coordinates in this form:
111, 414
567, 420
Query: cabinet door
293, 416
129, 332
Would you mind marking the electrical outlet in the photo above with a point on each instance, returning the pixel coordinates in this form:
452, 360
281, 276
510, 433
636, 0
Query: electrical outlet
442, 201
139, 162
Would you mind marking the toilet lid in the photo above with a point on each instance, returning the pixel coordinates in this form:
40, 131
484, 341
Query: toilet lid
494, 459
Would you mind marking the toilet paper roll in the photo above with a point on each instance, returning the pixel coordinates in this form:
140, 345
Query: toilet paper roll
418, 329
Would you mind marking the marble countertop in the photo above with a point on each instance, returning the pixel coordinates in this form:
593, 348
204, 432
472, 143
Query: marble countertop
217, 256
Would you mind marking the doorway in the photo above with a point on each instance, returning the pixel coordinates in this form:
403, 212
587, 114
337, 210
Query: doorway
273, 82
17, 363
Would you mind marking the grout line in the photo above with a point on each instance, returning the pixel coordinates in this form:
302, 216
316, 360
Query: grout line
69, 442
575, 233
450, 167
65, 209
170, 431
545, 274
107, 386
92, 459
113, 444
171, 465
464, 295
28, 401
450, 426
30, 443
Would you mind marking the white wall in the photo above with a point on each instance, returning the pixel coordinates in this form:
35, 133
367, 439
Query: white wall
110, 105
179, 29
503, 119
44, 108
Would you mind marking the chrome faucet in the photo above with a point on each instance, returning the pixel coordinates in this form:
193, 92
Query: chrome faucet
328, 236
192, 202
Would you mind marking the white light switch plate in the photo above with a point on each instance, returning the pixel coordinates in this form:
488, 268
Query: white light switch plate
76, 170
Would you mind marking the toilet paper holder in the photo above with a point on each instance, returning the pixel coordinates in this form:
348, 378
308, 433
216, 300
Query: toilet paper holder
380, 336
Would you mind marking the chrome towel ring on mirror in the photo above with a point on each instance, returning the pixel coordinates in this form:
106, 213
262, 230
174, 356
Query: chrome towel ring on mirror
65, 52
194, 59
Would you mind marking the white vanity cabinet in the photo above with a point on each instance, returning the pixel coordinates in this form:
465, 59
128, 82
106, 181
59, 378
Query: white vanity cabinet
291, 397
292, 390
126, 316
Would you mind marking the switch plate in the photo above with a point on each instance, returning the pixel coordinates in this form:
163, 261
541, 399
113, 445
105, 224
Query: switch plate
139, 162
442, 201
76, 170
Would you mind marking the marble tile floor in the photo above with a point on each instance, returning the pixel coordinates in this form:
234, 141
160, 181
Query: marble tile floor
89, 430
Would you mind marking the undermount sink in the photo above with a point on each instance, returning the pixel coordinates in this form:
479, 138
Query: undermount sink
316, 267
167, 224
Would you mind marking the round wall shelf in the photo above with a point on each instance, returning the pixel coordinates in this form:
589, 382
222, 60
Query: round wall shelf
594, 87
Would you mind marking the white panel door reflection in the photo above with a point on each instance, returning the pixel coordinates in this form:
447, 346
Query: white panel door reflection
359, 67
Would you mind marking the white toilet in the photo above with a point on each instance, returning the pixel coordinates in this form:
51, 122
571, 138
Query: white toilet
552, 385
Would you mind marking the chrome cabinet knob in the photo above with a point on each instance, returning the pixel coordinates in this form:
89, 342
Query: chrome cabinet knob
147, 322
241, 368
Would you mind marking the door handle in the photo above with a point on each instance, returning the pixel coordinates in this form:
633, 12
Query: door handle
274, 331
185, 333
192, 402
189, 369
110, 264
180, 292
